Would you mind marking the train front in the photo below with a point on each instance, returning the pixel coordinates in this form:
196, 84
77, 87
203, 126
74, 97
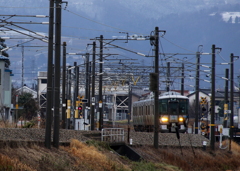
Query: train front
173, 110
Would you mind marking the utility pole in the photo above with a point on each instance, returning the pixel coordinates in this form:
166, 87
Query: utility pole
231, 99
22, 68
182, 80
49, 76
57, 72
69, 98
156, 93
87, 82
168, 76
75, 100
212, 125
93, 87
197, 92
100, 84
89, 91
226, 99
238, 91
63, 87
129, 107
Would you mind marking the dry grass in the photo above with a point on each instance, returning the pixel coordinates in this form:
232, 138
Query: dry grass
195, 159
91, 157
96, 156
82, 156
13, 164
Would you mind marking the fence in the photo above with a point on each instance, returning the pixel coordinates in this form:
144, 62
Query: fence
113, 135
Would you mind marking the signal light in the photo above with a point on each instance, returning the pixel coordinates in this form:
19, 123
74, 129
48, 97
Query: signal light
79, 107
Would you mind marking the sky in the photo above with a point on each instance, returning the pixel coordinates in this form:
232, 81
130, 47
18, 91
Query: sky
85, 20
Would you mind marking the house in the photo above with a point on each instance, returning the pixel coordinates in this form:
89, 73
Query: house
26, 89
205, 94
5, 90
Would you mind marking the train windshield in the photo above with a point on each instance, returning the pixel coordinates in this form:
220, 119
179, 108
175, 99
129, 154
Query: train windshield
173, 107
163, 106
183, 106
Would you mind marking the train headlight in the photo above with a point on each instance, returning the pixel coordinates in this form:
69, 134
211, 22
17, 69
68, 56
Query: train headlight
180, 119
164, 119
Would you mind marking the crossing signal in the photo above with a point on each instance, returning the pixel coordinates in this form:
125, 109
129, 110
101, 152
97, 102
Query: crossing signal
80, 108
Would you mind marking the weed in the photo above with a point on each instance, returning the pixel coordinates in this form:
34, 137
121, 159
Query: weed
12, 164
98, 144
29, 124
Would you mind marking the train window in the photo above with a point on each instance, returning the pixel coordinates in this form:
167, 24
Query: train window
182, 109
173, 107
163, 106
134, 111
151, 109
183, 106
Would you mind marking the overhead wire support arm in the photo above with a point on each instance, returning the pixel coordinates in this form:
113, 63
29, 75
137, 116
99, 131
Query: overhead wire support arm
44, 40
38, 16
28, 30
16, 22
138, 53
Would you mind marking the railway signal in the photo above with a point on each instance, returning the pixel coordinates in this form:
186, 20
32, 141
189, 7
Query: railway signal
203, 127
80, 110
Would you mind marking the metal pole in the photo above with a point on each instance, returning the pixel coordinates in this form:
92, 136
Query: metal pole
129, 107
22, 69
197, 92
100, 84
76, 70
89, 91
182, 80
63, 87
93, 87
212, 125
87, 96
69, 99
168, 76
57, 71
156, 93
49, 76
226, 99
231, 99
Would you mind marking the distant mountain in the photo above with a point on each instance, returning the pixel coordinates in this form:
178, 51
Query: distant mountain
189, 23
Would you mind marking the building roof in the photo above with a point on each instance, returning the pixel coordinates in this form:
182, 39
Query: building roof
218, 94
28, 90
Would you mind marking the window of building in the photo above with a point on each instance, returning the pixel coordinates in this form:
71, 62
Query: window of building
44, 81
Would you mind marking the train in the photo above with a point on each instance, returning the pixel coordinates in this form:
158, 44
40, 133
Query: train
173, 113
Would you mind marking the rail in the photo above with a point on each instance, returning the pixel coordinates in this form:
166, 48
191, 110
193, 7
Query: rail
113, 135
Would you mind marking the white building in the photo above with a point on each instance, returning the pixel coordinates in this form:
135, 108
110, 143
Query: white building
42, 89
5, 90
26, 89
